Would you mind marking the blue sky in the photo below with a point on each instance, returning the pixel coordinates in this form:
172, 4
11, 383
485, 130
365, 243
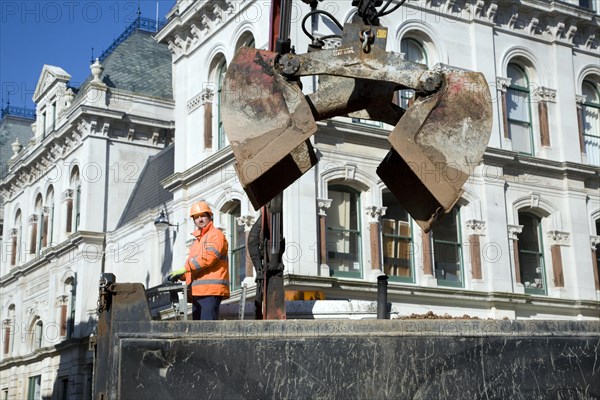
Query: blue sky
60, 33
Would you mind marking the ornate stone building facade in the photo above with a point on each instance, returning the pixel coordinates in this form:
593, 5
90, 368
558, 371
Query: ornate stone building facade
522, 241
63, 190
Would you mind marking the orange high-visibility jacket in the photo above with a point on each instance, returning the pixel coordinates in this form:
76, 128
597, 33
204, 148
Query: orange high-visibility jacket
207, 266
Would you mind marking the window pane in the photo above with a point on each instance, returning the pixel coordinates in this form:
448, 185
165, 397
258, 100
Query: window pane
413, 51
517, 76
446, 230
528, 239
520, 136
517, 103
447, 250
447, 261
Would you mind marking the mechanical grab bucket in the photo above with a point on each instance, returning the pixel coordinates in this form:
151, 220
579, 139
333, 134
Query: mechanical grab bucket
435, 143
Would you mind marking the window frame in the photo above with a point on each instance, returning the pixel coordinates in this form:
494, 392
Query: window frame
458, 243
588, 136
396, 239
234, 252
526, 91
539, 253
358, 272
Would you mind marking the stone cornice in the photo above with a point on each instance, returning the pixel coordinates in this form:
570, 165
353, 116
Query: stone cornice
35, 161
219, 159
193, 26
533, 165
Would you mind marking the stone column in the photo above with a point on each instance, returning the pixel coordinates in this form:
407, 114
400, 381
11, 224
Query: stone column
594, 241
207, 100
475, 229
323, 205
374, 214
558, 239
61, 304
247, 221
513, 236
6, 324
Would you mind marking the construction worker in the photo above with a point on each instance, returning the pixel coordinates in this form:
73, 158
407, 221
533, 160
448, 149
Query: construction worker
206, 270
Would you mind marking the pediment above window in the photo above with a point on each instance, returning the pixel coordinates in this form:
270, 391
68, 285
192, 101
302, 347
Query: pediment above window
48, 78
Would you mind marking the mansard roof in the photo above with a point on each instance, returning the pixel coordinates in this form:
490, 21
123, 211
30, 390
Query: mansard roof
148, 192
12, 127
138, 65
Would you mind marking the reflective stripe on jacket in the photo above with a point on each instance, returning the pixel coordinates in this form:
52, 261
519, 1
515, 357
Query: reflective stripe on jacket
207, 266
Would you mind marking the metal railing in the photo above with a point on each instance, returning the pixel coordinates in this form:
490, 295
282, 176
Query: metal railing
22, 112
143, 24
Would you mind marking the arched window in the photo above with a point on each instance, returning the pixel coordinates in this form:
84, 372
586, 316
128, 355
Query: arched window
37, 226
67, 308
237, 246
531, 253
48, 218
16, 238
519, 110
447, 250
591, 121
397, 240
413, 51
343, 232
246, 40
219, 75
37, 330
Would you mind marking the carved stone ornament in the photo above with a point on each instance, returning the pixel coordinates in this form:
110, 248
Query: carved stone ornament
476, 227
323, 205
502, 83
580, 99
374, 213
514, 231
246, 221
205, 96
545, 94
560, 238
62, 299
594, 241
33, 218
534, 199
67, 194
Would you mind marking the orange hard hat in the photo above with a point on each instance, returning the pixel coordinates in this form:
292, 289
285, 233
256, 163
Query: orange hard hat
200, 208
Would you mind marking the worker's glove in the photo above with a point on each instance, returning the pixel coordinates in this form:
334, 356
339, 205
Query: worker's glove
176, 275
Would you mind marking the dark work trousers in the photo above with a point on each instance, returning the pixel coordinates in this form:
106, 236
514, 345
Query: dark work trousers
205, 307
